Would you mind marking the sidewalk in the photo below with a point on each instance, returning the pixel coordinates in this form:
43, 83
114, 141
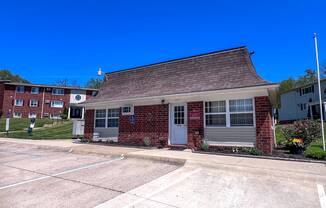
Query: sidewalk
256, 165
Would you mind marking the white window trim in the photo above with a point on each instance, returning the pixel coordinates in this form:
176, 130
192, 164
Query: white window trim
21, 104
20, 91
38, 91
54, 89
217, 113
128, 113
29, 115
57, 106
30, 103
228, 113
106, 115
106, 119
14, 115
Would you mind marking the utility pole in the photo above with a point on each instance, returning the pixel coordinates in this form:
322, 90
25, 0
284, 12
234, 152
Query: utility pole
319, 90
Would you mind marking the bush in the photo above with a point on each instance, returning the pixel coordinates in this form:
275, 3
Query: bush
64, 114
205, 146
308, 130
315, 151
255, 151
147, 141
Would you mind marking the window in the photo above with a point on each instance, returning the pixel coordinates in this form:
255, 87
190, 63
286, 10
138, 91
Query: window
78, 97
241, 112
100, 117
179, 114
17, 115
94, 93
113, 118
215, 113
33, 103
55, 116
128, 110
307, 90
20, 89
35, 90
229, 113
32, 115
57, 91
19, 102
57, 104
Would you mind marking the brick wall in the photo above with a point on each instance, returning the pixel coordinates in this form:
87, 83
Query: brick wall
2, 90
195, 124
9, 97
89, 124
264, 132
150, 121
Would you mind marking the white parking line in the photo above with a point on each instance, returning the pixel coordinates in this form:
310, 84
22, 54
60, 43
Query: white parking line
61, 173
322, 196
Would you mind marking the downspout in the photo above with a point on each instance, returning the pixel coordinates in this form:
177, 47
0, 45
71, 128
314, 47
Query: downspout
42, 109
13, 105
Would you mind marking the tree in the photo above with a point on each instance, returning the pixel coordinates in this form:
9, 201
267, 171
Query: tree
6, 74
309, 77
66, 83
290, 83
94, 83
62, 82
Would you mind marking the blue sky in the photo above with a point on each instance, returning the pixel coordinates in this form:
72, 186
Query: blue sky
45, 41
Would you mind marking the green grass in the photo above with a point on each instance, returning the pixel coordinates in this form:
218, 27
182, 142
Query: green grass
19, 124
315, 150
58, 131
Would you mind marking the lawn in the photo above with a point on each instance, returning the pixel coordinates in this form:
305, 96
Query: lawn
59, 130
19, 124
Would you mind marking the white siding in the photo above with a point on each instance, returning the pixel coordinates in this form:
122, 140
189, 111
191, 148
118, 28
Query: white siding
107, 132
247, 135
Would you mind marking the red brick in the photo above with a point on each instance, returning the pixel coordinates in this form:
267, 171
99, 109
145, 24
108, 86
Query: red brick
264, 132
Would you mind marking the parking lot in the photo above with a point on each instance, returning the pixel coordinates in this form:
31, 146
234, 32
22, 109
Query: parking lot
30, 177
34, 177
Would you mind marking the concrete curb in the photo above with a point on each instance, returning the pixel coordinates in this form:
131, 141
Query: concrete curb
74, 150
176, 161
262, 157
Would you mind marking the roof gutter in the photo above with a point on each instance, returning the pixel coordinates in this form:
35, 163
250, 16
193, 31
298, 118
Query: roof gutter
235, 90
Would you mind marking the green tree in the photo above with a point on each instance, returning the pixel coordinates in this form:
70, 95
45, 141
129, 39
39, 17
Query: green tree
309, 77
94, 83
6, 74
288, 84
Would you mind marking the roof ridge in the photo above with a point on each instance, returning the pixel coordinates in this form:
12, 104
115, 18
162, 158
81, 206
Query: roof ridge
177, 59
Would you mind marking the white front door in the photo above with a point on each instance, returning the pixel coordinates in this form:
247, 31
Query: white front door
178, 123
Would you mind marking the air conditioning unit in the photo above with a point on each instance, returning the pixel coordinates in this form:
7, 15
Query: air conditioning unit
48, 89
47, 101
46, 114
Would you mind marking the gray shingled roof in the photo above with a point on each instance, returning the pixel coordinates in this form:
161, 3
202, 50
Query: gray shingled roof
219, 70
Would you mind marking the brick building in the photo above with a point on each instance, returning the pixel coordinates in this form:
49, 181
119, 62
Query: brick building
22, 100
217, 97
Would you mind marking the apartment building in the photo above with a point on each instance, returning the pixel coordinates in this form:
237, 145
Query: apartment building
21, 100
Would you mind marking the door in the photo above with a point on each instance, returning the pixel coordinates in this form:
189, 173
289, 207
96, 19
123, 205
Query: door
178, 123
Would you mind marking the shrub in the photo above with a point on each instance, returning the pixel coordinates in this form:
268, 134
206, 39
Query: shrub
205, 145
64, 114
255, 151
308, 130
315, 151
147, 141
